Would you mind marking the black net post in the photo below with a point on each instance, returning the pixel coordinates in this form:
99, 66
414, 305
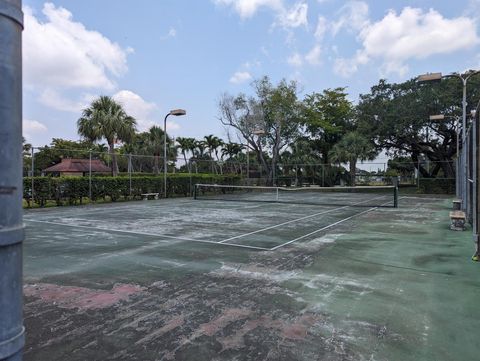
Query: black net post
195, 191
395, 192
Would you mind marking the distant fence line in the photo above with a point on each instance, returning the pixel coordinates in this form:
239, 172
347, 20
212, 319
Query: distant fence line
249, 171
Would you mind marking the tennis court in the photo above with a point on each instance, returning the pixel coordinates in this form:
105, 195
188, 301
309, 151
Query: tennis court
218, 279
228, 216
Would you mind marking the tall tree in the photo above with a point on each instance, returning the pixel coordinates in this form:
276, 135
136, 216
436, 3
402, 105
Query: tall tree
186, 144
106, 119
351, 148
398, 117
327, 116
156, 145
213, 143
268, 122
231, 150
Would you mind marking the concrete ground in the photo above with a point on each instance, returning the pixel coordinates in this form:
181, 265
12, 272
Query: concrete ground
205, 280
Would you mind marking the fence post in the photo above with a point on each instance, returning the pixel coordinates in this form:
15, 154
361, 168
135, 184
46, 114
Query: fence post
418, 173
130, 173
33, 173
90, 175
323, 175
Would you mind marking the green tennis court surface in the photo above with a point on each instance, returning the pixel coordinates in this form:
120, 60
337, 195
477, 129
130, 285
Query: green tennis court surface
184, 279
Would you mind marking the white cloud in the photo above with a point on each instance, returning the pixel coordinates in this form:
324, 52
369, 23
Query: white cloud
240, 77
172, 32
137, 107
32, 127
295, 60
295, 17
63, 53
172, 126
345, 67
353, 16
55, 100
313, 56
412, 34
248, 8
322, 26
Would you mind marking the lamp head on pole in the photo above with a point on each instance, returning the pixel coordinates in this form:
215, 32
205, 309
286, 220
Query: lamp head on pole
178, 112
429, 77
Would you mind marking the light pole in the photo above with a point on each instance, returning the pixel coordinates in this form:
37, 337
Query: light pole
176, 112
464, 79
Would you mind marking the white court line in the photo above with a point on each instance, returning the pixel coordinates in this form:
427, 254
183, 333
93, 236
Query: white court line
147, 234
297, 219
324, 228
280, 224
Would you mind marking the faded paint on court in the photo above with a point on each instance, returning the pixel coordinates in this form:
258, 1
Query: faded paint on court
148, 281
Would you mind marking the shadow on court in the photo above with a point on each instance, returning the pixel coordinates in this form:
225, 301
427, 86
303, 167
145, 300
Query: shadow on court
190, 280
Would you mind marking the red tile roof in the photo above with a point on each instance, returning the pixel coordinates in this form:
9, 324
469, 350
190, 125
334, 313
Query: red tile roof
78, 165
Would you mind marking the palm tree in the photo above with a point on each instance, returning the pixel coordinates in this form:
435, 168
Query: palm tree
351, 148
106, 119
155, 144
186, 144
231, 150
200, 148
213, 143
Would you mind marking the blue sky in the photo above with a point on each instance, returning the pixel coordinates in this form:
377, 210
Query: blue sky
153, 56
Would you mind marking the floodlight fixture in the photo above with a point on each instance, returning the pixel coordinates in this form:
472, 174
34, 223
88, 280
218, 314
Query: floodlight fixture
429, 77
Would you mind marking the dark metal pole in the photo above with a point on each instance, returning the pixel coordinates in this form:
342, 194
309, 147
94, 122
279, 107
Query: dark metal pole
130, 173
165, 155
12, 337
90, 176
476, 188
33, 175
464, 148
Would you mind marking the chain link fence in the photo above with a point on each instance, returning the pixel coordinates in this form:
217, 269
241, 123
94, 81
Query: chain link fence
425, 175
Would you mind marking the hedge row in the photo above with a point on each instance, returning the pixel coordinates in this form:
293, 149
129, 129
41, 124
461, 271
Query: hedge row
437, 185
73, 190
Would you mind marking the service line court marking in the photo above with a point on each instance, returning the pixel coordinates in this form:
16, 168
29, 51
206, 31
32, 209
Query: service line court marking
300, 219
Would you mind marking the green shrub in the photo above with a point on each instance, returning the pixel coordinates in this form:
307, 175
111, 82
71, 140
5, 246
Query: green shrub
73, 190
437, 185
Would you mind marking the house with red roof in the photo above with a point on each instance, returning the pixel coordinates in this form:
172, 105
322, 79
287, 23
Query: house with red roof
77, 167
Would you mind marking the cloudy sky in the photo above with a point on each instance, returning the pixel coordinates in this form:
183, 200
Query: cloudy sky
153, 56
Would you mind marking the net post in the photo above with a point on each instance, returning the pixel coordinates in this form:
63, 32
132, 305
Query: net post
195, 191
277, 194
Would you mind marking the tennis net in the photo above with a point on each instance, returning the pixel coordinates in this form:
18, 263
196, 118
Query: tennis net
361, 196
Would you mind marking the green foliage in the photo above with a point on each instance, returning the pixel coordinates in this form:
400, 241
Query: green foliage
74, 190
327, 116
106, 119
436, 186
397, 115
401, 166
49, 155
351, 148
268, 121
